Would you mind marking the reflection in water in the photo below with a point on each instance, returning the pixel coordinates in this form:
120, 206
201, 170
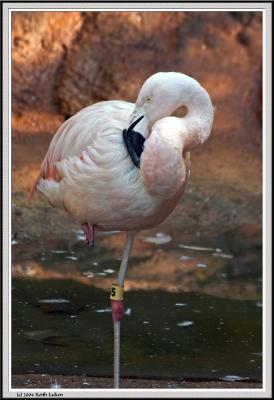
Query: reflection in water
233, 378
192, 314
185, 323
159, 238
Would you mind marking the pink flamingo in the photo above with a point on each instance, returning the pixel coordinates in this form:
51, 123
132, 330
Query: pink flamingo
119, 166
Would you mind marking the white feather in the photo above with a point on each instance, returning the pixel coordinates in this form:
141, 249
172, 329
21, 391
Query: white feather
99, 183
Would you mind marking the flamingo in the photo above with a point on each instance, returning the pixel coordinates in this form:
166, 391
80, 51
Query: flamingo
119, 166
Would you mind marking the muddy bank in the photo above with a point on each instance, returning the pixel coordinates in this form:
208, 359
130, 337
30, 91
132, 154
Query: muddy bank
32, 381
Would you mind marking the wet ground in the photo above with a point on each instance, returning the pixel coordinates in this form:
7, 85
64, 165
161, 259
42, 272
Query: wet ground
192, 311
193, 289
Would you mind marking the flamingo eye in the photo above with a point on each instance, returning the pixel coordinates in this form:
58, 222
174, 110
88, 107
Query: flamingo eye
148, 99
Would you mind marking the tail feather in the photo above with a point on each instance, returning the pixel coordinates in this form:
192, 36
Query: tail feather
34, 187
51, 190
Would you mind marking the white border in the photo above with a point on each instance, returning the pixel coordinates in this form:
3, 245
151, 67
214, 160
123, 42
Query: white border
265, 392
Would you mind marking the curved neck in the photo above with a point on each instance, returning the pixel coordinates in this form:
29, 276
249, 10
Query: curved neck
162, 166
199, 118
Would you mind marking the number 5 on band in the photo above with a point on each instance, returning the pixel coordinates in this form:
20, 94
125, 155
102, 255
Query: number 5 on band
117, 292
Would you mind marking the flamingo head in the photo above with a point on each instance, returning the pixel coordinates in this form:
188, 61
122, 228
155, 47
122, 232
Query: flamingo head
160, 96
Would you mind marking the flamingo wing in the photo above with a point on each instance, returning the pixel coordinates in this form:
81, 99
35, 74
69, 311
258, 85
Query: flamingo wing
74, 137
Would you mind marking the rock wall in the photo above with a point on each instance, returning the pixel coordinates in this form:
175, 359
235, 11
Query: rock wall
63, 61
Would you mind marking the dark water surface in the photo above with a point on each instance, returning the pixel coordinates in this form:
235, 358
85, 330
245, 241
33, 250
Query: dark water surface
201, 319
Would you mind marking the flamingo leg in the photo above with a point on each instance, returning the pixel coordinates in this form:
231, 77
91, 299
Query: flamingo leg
117, 305
89, 232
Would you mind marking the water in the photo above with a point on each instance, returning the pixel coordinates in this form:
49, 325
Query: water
181, 321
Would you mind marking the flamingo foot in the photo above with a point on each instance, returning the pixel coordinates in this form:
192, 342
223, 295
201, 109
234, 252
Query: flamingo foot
118, 310
89, 232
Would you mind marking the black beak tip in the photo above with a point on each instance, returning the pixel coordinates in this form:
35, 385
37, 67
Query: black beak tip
134, 142
132, 126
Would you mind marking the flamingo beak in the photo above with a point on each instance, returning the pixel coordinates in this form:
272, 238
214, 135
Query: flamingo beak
134, 142
133, 124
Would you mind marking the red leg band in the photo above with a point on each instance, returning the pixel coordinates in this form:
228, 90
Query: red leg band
118, 310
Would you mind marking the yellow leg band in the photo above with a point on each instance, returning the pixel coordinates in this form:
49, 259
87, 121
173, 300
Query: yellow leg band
117, 292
